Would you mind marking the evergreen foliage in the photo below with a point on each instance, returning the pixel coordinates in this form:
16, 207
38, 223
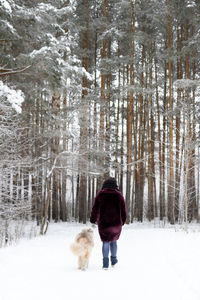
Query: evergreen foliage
110, 87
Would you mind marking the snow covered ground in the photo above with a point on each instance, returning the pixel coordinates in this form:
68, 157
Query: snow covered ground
154, 263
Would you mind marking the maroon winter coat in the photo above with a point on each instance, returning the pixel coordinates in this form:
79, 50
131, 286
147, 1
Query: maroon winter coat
109, 211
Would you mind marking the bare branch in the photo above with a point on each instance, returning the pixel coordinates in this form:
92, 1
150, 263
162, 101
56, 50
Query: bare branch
4, 72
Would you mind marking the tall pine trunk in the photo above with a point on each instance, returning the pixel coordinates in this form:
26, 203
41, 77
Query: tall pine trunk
130, 117
83, 166
171, 189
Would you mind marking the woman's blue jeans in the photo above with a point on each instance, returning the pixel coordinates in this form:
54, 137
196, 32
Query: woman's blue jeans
112, 246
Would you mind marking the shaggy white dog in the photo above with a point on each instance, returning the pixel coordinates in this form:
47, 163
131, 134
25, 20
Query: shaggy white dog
82, 247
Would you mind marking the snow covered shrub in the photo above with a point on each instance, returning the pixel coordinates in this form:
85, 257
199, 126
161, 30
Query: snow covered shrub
14, 201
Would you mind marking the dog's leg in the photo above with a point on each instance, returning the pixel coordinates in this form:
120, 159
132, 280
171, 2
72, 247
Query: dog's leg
79, 263
82, 265
86, 259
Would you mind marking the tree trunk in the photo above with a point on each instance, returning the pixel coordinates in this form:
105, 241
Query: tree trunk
171, 154
55, 152
151, 167
130, 119
121, 183
84, 124
102, 108
159, 145
178, 115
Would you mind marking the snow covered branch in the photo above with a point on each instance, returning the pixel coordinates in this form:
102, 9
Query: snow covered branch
5, 72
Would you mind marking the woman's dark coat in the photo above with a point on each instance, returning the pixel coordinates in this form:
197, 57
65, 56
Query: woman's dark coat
109, 211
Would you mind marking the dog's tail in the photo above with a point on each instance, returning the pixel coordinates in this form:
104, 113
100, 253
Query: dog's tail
76, 248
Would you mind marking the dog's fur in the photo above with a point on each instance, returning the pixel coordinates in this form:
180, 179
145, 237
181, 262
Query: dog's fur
82, 247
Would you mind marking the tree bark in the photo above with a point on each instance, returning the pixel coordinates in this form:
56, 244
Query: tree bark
84, 124
171, 189
130, 118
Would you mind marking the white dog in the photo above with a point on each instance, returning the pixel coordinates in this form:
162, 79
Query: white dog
82, 247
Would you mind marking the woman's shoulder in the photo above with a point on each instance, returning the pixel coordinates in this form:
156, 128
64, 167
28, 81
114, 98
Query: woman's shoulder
120, 195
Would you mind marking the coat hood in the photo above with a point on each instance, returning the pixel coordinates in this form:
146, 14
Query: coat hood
109, 191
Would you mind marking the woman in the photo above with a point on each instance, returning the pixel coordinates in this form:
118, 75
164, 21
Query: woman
109, 211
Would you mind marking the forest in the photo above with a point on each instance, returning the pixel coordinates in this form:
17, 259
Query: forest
91, 89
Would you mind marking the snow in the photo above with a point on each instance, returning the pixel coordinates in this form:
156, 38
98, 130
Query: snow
154, 263
8, 27
14, 97
186, 83
6, 5
44, 50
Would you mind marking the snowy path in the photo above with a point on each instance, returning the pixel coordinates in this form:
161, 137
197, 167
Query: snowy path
153, 264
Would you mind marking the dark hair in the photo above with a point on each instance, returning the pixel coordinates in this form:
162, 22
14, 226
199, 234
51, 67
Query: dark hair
110, 183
